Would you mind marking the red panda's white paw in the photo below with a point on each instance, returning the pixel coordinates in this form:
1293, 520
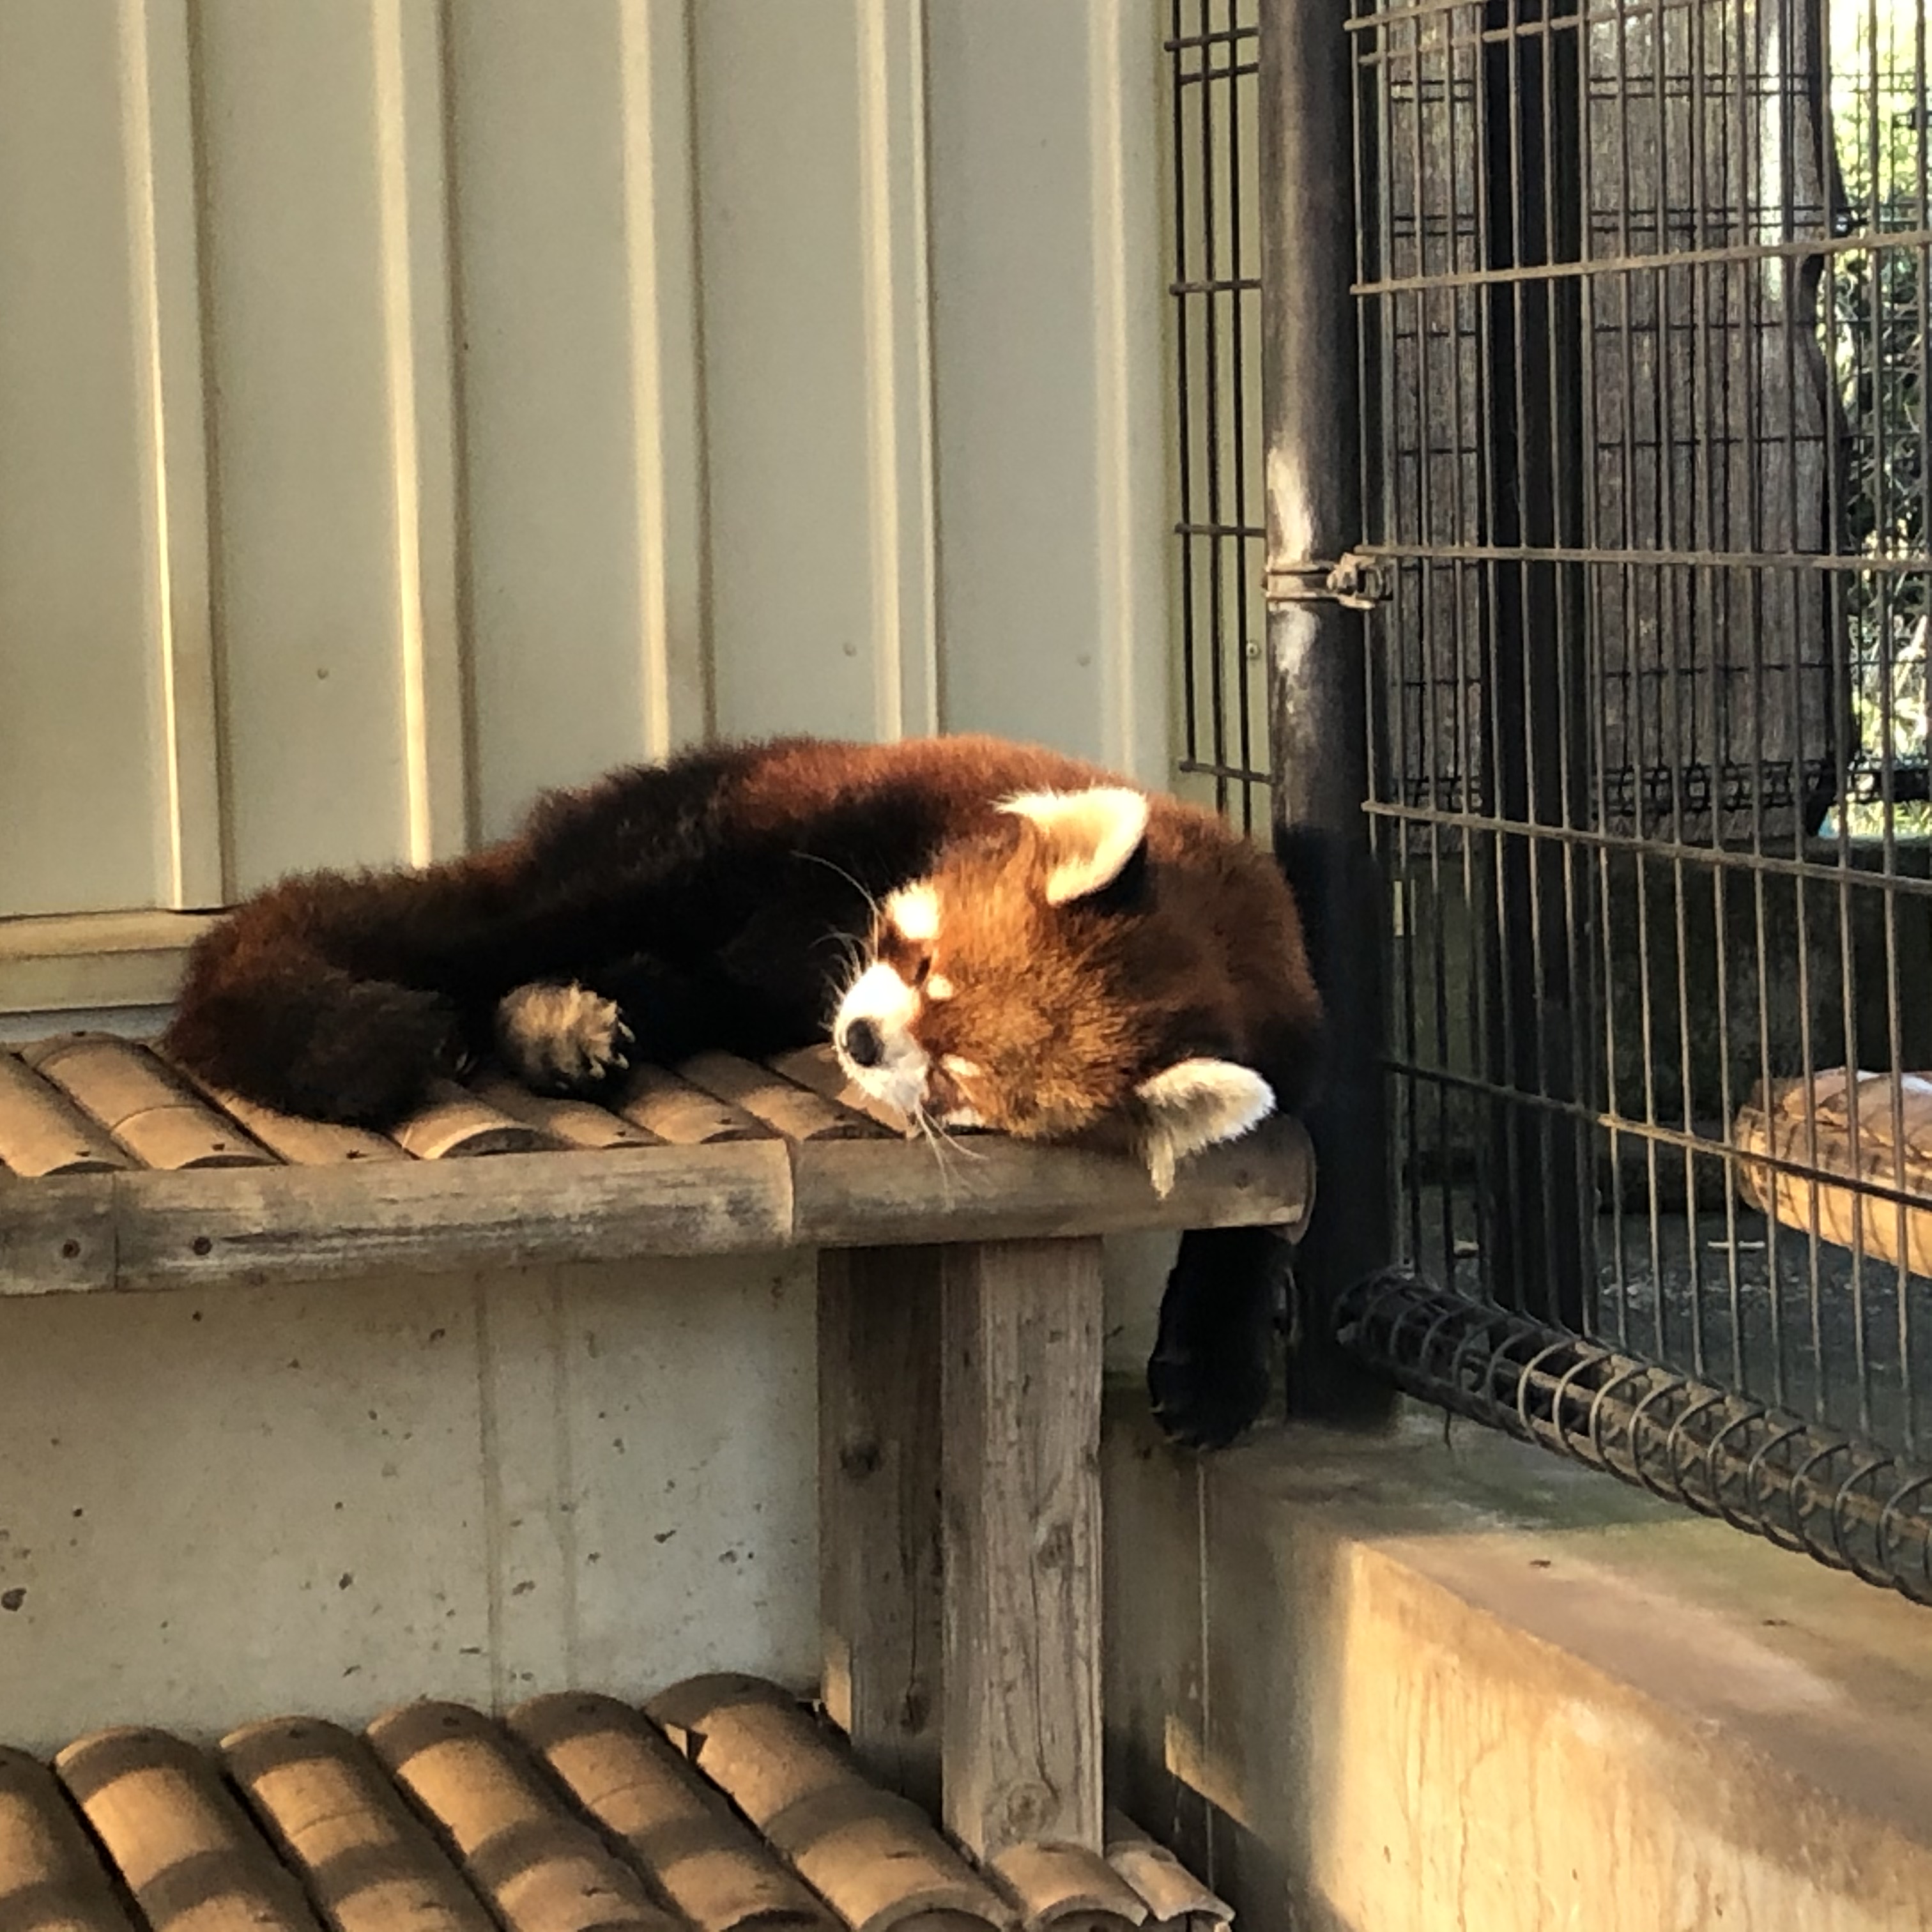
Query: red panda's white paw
561, 1039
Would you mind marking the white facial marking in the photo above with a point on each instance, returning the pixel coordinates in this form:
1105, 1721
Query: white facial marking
1194, 1104
914, 909
938, 987
965, 1114
882, 1000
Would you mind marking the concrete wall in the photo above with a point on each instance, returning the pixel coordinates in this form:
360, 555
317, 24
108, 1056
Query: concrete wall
215, 1507
1386, 1685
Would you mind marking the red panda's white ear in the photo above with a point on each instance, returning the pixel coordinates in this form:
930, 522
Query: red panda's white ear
1089, 836
1194, 1104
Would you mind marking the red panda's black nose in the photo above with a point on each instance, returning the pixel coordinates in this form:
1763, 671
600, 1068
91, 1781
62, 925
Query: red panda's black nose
864, 1046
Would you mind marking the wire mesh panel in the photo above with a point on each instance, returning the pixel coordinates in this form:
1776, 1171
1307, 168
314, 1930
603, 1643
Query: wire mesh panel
1642, 295
1212, 50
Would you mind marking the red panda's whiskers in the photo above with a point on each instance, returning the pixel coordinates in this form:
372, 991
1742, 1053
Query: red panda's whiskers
818, 859
961, 1148
852, 963
924, 1122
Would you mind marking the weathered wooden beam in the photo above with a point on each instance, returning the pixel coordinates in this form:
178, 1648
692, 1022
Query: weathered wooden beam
181, 1231
202, 1228
876, 1193
1021, 1412
879, 1558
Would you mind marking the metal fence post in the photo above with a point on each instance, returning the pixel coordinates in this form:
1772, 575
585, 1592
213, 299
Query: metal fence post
1318, 691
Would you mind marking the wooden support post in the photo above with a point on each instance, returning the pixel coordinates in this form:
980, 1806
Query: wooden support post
878, 1508
1020, 1726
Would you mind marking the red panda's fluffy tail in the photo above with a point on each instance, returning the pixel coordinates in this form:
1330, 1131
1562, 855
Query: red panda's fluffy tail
269, 1009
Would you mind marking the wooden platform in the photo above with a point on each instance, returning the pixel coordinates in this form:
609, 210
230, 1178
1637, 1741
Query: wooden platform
141, 1180
960, 1333
723, 1806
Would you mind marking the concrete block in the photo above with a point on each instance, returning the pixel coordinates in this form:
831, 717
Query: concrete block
1385, 1685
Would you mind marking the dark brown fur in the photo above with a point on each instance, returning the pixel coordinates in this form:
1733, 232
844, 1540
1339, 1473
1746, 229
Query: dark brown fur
716, 897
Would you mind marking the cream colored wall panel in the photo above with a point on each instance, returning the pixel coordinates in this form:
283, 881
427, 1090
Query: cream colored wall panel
157, 100
571, 132
408, 407
901, 506
327, 286
413, 230
330, 1500
82, 783
810, 241
1045, 247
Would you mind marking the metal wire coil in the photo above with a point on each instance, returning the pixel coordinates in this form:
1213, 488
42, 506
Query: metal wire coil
1847, 1504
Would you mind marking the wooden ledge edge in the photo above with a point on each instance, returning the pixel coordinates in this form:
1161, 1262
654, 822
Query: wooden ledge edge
139, 1230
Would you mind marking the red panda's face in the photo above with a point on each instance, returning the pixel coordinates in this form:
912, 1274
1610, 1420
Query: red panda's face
1021, 985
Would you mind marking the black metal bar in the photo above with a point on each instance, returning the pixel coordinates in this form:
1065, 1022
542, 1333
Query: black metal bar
1536, 1233
1809, 868
1318, 703
1190, 525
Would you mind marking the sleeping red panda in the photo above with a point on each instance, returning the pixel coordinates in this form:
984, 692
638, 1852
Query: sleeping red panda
989, 933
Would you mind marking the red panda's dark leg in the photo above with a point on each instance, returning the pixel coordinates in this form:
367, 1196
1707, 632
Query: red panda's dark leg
1209, 1374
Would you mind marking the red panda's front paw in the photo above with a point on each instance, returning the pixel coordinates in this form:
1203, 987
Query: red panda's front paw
561, 1039
1203, 1403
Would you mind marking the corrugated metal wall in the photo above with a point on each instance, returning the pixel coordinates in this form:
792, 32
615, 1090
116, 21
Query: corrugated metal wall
403, 405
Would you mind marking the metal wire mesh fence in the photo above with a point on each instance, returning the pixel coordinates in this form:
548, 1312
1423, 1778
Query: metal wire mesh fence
1212, 50
1641, 297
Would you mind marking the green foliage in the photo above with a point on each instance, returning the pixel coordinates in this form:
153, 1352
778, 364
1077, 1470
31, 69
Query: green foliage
1878, 297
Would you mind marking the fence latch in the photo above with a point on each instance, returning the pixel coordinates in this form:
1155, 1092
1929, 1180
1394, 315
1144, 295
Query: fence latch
1356, 581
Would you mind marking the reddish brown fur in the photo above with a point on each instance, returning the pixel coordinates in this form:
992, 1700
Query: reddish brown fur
717, 901
719, 878
1067, 1009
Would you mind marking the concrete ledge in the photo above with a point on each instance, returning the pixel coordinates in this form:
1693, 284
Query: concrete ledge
88, 960
1383, 1685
